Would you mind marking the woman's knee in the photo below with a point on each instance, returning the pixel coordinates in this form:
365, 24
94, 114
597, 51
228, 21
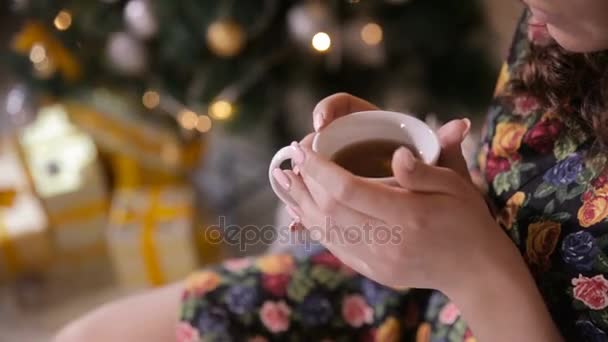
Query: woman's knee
71, 333
82, 329
150, 316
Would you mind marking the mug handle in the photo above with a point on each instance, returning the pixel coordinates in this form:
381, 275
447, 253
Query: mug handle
281, 156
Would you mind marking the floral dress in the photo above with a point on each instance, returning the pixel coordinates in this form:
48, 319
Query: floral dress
551, 188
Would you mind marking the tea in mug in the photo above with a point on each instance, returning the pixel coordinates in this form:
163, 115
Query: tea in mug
371, 158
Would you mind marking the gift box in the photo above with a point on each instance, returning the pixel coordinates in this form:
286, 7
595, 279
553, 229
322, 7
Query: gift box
24, 237
119, 127
150, 235
67, 176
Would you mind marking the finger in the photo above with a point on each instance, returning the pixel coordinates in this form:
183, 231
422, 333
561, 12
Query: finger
451, 135
307, 141
414, 175
308, 215
370, 198
337, 105
296, 225
341, 214
345, 232
294, 185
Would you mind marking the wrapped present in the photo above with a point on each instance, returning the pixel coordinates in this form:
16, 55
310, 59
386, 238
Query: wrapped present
128, 173
66, 173
150, 235
24, 239
118, 126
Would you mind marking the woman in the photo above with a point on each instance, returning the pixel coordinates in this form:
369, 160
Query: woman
544, 280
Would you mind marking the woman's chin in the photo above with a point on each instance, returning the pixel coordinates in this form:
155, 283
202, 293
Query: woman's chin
574, 43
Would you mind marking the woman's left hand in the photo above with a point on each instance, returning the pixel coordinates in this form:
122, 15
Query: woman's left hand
435, 231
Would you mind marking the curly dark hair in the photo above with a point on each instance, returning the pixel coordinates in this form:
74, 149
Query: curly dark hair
570, 84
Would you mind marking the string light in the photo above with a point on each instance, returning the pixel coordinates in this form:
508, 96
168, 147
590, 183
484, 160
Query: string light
187, 119
37, 53
150, 99
321, 41
221, 110
203, 124
371, 34
63, 20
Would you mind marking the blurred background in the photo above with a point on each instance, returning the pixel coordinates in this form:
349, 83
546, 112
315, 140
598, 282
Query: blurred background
128, 128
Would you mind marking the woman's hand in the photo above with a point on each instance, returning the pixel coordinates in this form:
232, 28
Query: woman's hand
398, 236
337, 105
435, 231
335, 202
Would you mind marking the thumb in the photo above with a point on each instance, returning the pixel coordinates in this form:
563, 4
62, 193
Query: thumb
413, 175
451, 135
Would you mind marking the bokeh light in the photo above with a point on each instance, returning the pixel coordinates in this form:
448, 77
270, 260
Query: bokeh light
203, 124
63, 20
221, 110
150, 99
321, 41
187, 119
37, 53
371, 34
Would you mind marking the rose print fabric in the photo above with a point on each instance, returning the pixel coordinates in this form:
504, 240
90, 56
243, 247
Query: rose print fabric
549, 184
281, 298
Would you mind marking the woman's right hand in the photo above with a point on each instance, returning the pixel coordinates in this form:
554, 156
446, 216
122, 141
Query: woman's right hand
337, 105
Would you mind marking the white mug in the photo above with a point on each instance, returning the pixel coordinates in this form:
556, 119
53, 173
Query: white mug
360, 127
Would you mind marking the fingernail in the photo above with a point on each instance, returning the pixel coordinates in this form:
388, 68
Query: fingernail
467, 122
280, 176
295, 226
298, 156
408, 160
292, 213
296, 170
317, 121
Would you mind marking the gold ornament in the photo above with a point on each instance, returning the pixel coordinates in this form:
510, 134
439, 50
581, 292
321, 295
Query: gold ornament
225, 38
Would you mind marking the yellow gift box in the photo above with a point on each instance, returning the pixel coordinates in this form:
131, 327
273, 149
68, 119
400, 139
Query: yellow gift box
67, 175
110, 120
24, 240
150, 235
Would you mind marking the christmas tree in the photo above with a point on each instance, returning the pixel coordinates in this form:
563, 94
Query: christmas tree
251, 62
248, 72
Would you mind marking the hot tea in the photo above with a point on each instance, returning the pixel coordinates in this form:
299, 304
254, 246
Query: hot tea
371, 158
